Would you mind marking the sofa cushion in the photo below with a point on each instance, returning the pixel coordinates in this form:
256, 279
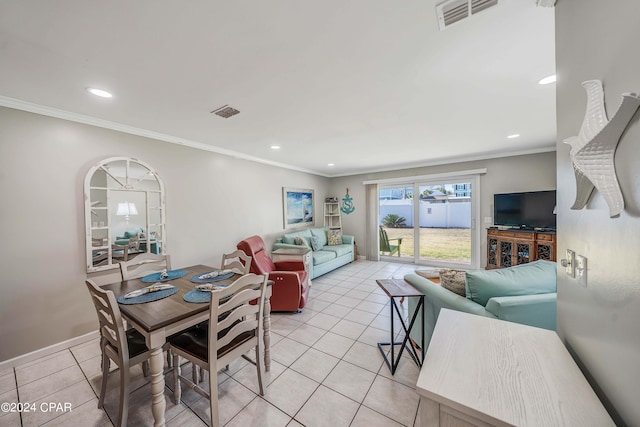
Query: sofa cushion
321, 233
290, 237
339, 250
320, 257
538, 277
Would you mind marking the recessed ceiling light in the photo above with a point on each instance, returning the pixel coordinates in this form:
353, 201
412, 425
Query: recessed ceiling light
99, 92
515, 135
275, 147
331, 165
548, 79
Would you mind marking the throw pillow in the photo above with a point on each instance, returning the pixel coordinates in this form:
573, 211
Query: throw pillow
300, 241
334, 237
315, 244
454, 280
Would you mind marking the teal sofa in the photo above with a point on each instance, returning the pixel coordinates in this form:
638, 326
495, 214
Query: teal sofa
521, 294
327, 258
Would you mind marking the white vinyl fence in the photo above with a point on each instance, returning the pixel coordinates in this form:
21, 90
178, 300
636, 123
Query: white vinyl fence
433, 214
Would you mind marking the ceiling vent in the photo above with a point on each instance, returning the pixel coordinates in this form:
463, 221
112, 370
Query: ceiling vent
225, 111
452, 11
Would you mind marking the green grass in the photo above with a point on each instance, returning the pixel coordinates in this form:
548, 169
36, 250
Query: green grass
442, 244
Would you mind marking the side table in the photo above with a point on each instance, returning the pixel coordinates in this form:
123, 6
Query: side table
398, 288
302, 254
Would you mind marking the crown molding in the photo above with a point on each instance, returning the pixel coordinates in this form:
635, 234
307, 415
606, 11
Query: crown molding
94, 121
451, 160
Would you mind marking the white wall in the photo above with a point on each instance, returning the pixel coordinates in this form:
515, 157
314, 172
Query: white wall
600, 323
213, 201
530, 172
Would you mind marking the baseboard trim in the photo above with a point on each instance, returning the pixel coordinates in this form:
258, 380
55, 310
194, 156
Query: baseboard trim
37, 354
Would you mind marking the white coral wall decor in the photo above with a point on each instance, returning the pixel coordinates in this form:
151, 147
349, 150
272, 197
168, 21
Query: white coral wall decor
592, 151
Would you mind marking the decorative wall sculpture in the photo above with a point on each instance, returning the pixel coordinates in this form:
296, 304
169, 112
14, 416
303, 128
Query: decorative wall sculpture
347, 204
592, 151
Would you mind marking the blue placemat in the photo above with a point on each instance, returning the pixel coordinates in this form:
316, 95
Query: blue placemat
155, 277
151, 296
196, 278
197, 296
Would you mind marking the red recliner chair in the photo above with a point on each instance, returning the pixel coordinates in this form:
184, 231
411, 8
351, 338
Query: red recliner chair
290, 289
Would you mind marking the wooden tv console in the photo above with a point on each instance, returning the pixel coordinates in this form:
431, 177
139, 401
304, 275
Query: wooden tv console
506, 248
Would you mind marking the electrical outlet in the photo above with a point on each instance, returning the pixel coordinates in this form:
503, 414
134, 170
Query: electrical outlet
581, 270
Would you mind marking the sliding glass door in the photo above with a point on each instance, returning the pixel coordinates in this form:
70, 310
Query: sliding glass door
396, 222
431, 222
445, 223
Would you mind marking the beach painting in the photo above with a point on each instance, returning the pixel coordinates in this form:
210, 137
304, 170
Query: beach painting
298, 207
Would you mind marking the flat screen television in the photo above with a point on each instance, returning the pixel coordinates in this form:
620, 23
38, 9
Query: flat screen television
525, 210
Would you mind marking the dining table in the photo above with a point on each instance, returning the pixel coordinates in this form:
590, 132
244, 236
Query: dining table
160, 319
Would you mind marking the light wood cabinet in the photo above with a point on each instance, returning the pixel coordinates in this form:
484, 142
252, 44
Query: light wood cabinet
506, 248
487, 372
332, 217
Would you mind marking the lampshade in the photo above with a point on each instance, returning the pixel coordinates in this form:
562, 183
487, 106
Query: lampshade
126, 209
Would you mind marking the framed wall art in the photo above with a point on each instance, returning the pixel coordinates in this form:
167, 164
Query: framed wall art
298, 207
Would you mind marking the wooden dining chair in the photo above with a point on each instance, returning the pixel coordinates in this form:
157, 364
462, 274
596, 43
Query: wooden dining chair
237, 261
235, 327
125, 348
144, 264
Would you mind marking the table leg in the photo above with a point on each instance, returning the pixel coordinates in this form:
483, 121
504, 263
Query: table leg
267, 335
158, 403
392, 304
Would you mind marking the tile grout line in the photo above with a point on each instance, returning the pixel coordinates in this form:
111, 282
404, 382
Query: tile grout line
15, 379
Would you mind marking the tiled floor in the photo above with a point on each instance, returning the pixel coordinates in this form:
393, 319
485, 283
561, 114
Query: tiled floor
326, 371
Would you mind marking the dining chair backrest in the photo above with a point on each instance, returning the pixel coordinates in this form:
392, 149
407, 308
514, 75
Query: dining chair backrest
144, 264
237, 261
112, 331
237, 323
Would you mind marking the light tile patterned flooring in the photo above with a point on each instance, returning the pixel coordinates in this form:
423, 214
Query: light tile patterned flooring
326, 370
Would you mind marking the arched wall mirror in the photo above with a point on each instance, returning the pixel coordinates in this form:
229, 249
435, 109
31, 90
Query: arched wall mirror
124, 212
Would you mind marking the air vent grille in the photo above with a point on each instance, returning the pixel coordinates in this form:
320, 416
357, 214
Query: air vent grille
225, 111
452, 11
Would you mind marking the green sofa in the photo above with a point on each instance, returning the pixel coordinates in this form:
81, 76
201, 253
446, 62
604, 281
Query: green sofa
327, 258
522, 294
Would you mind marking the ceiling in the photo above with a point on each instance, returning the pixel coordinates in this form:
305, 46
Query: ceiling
367, 85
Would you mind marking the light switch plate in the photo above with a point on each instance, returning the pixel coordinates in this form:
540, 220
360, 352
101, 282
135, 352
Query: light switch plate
581, 270
570, 267
488, 220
